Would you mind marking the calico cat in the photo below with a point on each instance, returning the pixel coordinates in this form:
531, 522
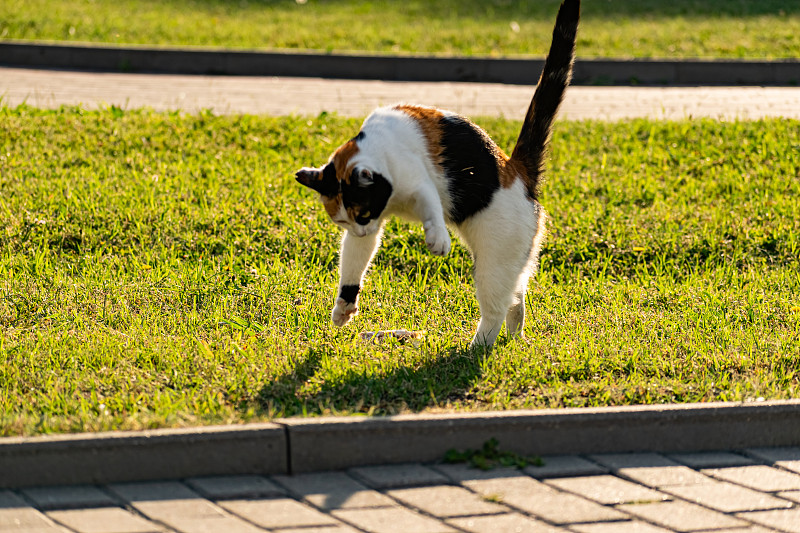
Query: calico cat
441, 169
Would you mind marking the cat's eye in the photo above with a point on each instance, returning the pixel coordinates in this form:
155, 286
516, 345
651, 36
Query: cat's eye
365, 178
365, 214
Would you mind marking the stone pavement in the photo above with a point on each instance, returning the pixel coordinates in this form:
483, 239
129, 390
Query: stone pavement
754, 491
281, 96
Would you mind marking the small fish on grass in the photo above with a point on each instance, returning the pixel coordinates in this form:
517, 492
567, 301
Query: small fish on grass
399, 334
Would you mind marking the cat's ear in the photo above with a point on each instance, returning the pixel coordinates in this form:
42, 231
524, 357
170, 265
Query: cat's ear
310, 177
365, 178
323, 181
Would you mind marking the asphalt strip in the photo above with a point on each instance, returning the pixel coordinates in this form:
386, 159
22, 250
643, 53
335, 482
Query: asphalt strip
525, 71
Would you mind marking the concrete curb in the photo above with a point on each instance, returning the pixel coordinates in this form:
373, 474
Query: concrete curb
393, 68
89, 458
350, 442
307, 445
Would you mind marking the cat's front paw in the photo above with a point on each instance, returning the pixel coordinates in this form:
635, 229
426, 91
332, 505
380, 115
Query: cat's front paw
343, 311
438, 240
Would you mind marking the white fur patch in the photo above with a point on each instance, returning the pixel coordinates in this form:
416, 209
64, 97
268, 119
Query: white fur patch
342, 312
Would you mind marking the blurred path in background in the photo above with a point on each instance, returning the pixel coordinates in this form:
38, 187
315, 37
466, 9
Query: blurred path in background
311, 96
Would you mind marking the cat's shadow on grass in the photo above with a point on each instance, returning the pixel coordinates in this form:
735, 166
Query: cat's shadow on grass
441, 379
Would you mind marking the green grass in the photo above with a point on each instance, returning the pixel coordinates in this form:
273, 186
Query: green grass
165, 270
618, 28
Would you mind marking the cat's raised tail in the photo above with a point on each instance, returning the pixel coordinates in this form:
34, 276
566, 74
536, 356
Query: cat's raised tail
531, 147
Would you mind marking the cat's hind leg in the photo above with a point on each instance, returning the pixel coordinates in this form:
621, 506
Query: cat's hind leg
504, 239
515, 318
496, 286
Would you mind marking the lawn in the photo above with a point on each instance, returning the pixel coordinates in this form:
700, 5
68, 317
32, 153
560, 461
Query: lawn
165, 269
610, 28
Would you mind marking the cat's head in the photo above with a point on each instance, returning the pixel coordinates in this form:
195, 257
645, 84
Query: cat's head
353, 194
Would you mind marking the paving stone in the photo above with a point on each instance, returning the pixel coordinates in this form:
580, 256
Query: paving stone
278, 513
16, 514
564, 466
633, 526
48, 529
504, 523
728, 497
166, 500
617, 461
104, 520
74, 497
446, 501
758, 477
226, 524
651, 469
9, 500
392, 520
681, 516
787, 453
169, 509
235, 487
458, 473
711, 459
534, 497
664, 476
23, 519
785, 520
333, 490
792, 495
788, 458
748, 529
321, 529
499, 487
151, 491
608, 490
398, 476
562, 508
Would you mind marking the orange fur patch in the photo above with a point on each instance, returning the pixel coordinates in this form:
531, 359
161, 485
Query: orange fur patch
509, 170
341, 160
428, 119
332, 204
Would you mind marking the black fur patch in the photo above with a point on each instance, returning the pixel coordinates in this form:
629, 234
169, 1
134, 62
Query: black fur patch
329, 185
349, 293
366, 203
470, 165
531, 146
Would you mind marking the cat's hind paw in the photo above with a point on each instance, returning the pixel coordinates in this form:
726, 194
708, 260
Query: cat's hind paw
343, 311
438, 240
